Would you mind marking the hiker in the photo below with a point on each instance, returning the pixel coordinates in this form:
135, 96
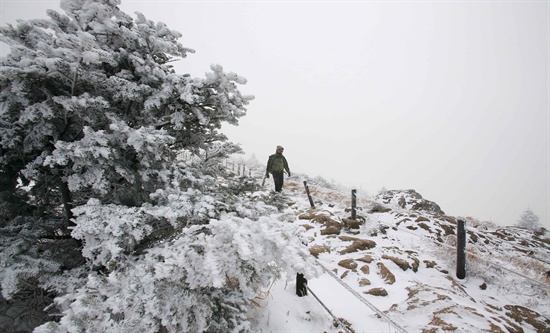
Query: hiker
276, 165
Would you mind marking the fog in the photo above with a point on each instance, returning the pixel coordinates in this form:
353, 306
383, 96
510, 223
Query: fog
448, 98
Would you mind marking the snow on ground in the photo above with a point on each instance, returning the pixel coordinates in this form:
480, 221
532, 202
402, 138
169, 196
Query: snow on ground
282, 311
425, 295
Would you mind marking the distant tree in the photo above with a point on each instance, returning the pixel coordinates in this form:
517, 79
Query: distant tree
253, 161
96, 210
529, 220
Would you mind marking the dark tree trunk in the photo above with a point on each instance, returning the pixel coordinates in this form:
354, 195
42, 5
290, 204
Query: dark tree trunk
67, 202
11, 203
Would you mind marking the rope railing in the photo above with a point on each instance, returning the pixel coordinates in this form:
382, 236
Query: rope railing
544, 285
330, 312
363, 300
491, 264
322, 193
317, 194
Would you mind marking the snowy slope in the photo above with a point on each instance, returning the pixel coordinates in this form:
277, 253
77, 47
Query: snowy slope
395, 272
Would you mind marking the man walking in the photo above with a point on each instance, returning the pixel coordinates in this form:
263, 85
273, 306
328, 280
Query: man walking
276, 164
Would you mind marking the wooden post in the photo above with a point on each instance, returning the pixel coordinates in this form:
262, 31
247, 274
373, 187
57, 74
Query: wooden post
309, 195
301, 285
354, 204
461, 249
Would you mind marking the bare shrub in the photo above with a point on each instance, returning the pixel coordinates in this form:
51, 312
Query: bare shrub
478, 224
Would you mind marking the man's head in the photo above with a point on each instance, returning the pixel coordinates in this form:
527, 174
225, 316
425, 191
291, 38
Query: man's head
280, 149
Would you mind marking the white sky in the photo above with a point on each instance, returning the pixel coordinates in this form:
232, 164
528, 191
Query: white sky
450, 98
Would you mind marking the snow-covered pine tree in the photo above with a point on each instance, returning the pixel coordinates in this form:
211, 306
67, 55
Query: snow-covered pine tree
96, 209
529, 220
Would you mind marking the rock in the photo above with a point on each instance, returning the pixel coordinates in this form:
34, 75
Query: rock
368, 259
377, 292
352, 224
402, 202
402, 263
344, 275
365, 269
348, 263
348, 238
324, 220
359, 245
331, 230
331, 227
307, 215
415, 264
425, 226
306, 226
483, 286
388, 276
449, 230
364, 282
378, 208
522, 314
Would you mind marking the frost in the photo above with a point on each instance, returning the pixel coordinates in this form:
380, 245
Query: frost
108, 230
85, 155
89, 57
178, 284
202, 119
36, 111
92, 119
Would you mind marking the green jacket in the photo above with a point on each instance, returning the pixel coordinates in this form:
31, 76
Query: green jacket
277, 163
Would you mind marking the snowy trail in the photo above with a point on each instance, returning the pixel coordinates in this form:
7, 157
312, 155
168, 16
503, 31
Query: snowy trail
284, 312
344, 304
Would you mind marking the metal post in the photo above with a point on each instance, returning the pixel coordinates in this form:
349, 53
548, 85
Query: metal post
309, 195
301, 285
461, 249
353, 204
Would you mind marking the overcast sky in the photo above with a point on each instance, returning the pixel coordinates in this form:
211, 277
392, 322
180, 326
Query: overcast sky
450, 98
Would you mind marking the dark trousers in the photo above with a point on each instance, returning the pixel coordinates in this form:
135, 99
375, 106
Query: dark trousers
278, 179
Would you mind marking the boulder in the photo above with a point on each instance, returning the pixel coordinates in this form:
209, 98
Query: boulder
409, 199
